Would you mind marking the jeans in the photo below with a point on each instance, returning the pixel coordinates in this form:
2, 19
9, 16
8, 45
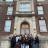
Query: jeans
24, 46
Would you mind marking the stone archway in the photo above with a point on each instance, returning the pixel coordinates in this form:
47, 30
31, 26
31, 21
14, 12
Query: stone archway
24, 28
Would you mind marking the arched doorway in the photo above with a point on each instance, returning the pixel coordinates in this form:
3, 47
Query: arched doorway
25, 28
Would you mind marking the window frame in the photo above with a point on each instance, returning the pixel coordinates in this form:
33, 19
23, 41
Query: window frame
45, 25
40, 10
10, 12
22, 8
7, 26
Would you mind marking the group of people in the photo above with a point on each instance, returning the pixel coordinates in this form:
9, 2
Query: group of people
24, 41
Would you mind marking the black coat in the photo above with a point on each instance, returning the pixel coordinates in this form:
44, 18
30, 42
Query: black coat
36, 40
13, 41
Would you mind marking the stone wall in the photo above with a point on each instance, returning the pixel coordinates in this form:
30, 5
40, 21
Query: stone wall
5, 44
43, 44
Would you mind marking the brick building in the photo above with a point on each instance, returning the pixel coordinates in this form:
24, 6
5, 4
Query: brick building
23, 17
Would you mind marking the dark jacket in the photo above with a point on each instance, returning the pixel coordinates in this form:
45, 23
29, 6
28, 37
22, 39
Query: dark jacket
13, 41
36, 40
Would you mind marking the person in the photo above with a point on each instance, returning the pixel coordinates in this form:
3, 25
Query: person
37, 41
13, 41
26, 41
19, 40
33, 43
30, 41
22, 41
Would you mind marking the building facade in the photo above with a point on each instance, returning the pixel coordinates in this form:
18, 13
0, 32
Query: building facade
23, 17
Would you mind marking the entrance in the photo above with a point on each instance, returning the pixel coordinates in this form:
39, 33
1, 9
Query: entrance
25, 28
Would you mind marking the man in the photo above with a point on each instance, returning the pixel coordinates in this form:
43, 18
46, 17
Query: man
35, 42
30, 41
13, 41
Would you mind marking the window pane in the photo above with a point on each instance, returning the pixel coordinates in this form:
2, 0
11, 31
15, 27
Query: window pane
7, 26
24, 7
40, 0
9, 0
8, 23
40, 9
7, 29
42, 22
42, 25
40, 12
10, 11
43, 29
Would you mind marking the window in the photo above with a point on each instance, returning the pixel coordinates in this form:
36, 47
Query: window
40, 10
42, 25
9, 0
7, 25
24, 7
10, 11
40, 0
